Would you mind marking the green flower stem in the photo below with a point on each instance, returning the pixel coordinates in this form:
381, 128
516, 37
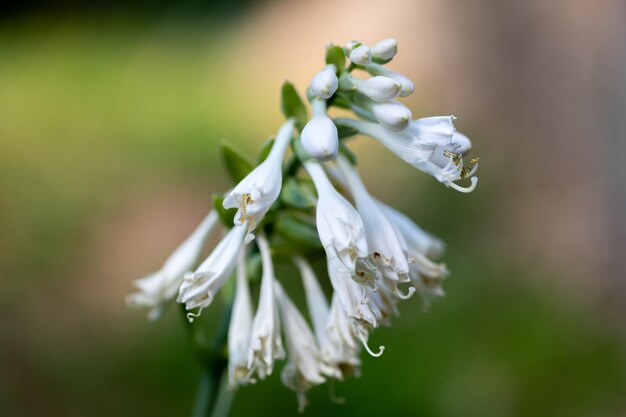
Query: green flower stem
213, 398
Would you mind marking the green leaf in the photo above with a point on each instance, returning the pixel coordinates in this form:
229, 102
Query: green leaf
335, 56
343, 149
298, 194
226, 215
344, 131
236, 164
298, 232
291, 104
265, 149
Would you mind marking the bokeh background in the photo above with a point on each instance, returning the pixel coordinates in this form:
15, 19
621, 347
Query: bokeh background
110, 119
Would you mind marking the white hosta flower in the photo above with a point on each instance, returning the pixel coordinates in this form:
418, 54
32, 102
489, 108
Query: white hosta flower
416, 238
265, 342
158, 289
319, 137
407, 86
361, 55
352, 296
256, 193
320, 316
325, 83
385, 50
338, 224
239, 329
386, 244
428, 144
199, 288
305, 366
345, 352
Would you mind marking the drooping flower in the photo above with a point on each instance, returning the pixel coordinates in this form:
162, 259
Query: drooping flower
256, 193
239, 329
331, 324
199, 287
355, 302
429, 144
319, 137
160, 288
345, 353
416, 238
305, 366
386, 244
339, 226
324, 83
426, 275
265, 343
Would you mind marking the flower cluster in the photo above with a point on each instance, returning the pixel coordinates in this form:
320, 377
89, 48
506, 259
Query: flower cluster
375, 256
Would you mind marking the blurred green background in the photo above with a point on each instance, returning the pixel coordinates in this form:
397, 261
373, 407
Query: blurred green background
110, 121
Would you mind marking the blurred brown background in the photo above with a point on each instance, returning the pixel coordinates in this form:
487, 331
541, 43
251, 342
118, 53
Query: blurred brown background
110, 121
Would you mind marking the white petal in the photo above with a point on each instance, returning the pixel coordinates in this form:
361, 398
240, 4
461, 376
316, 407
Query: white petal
158, 289
199, 288
239, 329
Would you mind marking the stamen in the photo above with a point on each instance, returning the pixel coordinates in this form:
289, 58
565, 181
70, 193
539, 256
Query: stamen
406, 296
464, 189
191, 316
381, 349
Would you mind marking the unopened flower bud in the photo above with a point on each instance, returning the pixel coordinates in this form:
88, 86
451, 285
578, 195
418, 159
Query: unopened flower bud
406, 85
392, 115
379, 88
385, 50
348, 47
319, 138
325, 82
361, 55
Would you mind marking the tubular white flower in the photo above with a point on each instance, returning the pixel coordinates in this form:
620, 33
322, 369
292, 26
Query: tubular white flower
325, 83
326, 327
319, 137
198, 288
338, 224
160, 288
385, 50
352, 296
407, 86
345, 353
379, 88
428, 145
239, 329
416, 238
386, 244
361, 55
305, 367
256, 193
265, 342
